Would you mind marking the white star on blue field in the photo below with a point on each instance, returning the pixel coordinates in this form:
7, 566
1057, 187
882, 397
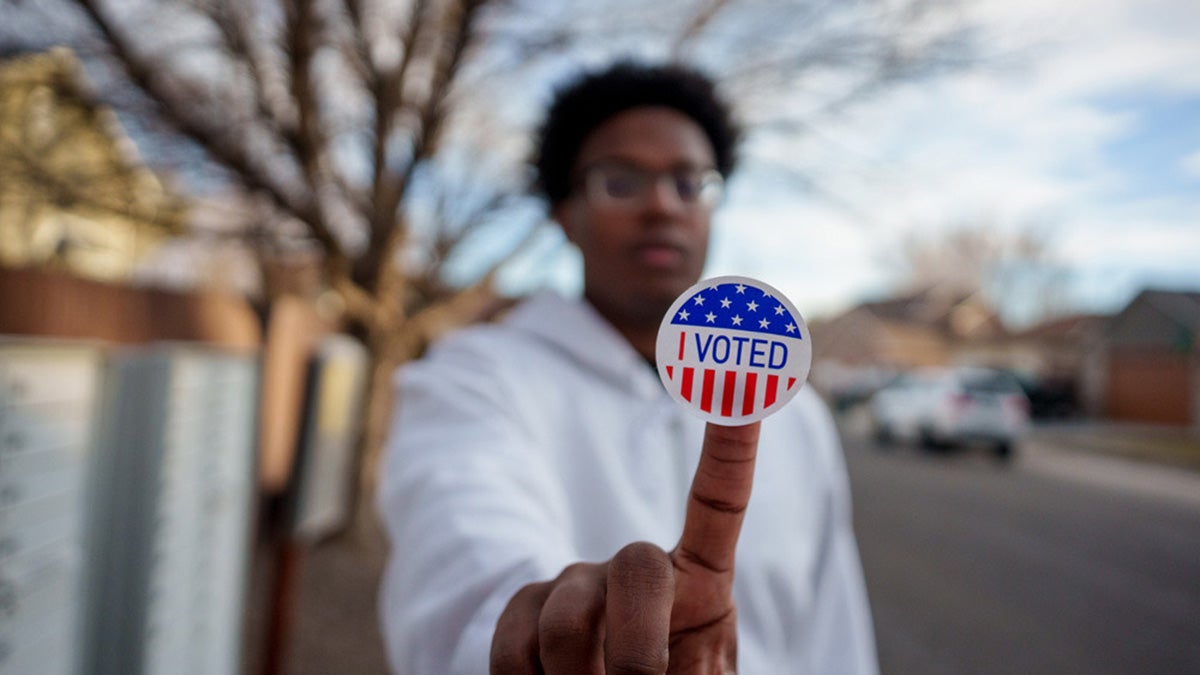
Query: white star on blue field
737, 307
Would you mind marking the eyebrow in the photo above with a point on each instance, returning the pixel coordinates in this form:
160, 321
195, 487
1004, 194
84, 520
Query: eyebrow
684, 165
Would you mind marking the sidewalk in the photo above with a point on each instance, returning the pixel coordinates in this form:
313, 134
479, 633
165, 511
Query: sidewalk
1177, 447
1152, 461
334, 626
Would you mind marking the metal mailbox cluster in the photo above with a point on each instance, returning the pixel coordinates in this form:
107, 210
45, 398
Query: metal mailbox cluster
126, 489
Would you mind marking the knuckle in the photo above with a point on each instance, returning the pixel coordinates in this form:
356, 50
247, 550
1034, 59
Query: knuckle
570, 612
642, 560
515, 637
733, 508
690, 557
580, 588
571, 615
562, 632
579, 572
521, 606
510, 651
641, 565
638, 663
505, 660
527, 595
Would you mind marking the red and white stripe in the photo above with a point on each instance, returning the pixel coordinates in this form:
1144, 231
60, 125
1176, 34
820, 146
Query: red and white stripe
729, 392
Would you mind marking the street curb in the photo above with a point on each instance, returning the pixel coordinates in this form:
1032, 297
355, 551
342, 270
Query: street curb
1144, 478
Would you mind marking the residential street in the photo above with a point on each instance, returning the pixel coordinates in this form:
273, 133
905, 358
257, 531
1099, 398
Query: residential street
974, 567
1062, 562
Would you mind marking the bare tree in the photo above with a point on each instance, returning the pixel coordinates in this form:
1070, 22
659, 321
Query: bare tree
374, 128
1012, 269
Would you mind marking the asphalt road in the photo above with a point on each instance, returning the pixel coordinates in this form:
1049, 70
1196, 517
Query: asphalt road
974, 567
1050, 565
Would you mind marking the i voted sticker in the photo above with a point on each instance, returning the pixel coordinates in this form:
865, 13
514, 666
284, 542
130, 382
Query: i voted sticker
733, 350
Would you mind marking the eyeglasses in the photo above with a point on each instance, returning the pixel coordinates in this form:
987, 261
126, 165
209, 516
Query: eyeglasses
625, 186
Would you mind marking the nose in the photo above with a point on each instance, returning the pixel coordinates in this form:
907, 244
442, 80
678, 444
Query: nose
663, 197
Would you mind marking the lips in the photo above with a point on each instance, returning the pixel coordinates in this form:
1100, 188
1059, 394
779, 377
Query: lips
660, 253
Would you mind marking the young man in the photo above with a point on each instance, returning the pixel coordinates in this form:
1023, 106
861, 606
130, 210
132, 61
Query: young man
551, 509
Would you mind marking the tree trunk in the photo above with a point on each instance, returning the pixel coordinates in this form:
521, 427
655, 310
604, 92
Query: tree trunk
386, 354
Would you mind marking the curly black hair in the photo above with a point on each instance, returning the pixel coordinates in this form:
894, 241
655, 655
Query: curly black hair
591, 99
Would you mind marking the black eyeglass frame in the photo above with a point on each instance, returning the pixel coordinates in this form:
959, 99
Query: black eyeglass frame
693, 187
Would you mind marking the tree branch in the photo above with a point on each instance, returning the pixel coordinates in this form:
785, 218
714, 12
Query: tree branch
385, 183
379, 267
361, 45
301, 40
227, 151
231, 19
695, 26
231, 153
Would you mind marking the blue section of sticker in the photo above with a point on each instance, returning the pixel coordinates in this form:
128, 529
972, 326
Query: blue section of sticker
738, 306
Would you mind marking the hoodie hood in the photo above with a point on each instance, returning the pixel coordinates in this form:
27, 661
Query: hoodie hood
576, 329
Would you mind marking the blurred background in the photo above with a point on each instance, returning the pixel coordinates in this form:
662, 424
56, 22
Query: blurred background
224, 223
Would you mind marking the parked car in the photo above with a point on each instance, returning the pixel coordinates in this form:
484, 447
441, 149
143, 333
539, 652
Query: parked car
1049, 398
946, 407
858, 387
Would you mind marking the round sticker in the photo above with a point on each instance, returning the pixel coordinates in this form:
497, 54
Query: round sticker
733, 350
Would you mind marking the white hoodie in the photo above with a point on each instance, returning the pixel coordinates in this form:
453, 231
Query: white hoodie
520, 448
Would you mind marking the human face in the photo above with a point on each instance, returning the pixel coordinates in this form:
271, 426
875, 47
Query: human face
638, 256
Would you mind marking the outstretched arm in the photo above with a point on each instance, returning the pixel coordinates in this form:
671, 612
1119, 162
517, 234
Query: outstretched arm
645, 610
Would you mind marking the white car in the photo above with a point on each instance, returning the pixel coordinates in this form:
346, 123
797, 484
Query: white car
943, 407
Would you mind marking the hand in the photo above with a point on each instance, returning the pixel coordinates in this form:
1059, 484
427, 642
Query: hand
645, 610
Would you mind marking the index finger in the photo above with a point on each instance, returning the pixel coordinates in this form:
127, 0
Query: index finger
720, 492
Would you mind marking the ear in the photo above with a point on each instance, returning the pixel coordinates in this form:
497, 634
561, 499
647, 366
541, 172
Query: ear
568, 216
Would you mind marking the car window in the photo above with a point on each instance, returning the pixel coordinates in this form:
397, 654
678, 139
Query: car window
990, 383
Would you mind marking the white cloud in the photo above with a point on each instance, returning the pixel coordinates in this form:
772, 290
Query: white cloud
1144, 235
1014, 145
1191, 164
817, 255
1087, 46
1022, 142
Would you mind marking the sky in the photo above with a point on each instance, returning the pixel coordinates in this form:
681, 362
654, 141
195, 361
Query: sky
1087, 135
1082, 127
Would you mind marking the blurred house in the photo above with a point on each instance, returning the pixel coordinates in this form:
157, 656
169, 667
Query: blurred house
919, 329
45, 303
1050, 359
1147, 364
1053, 349
74, 194
855, 352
